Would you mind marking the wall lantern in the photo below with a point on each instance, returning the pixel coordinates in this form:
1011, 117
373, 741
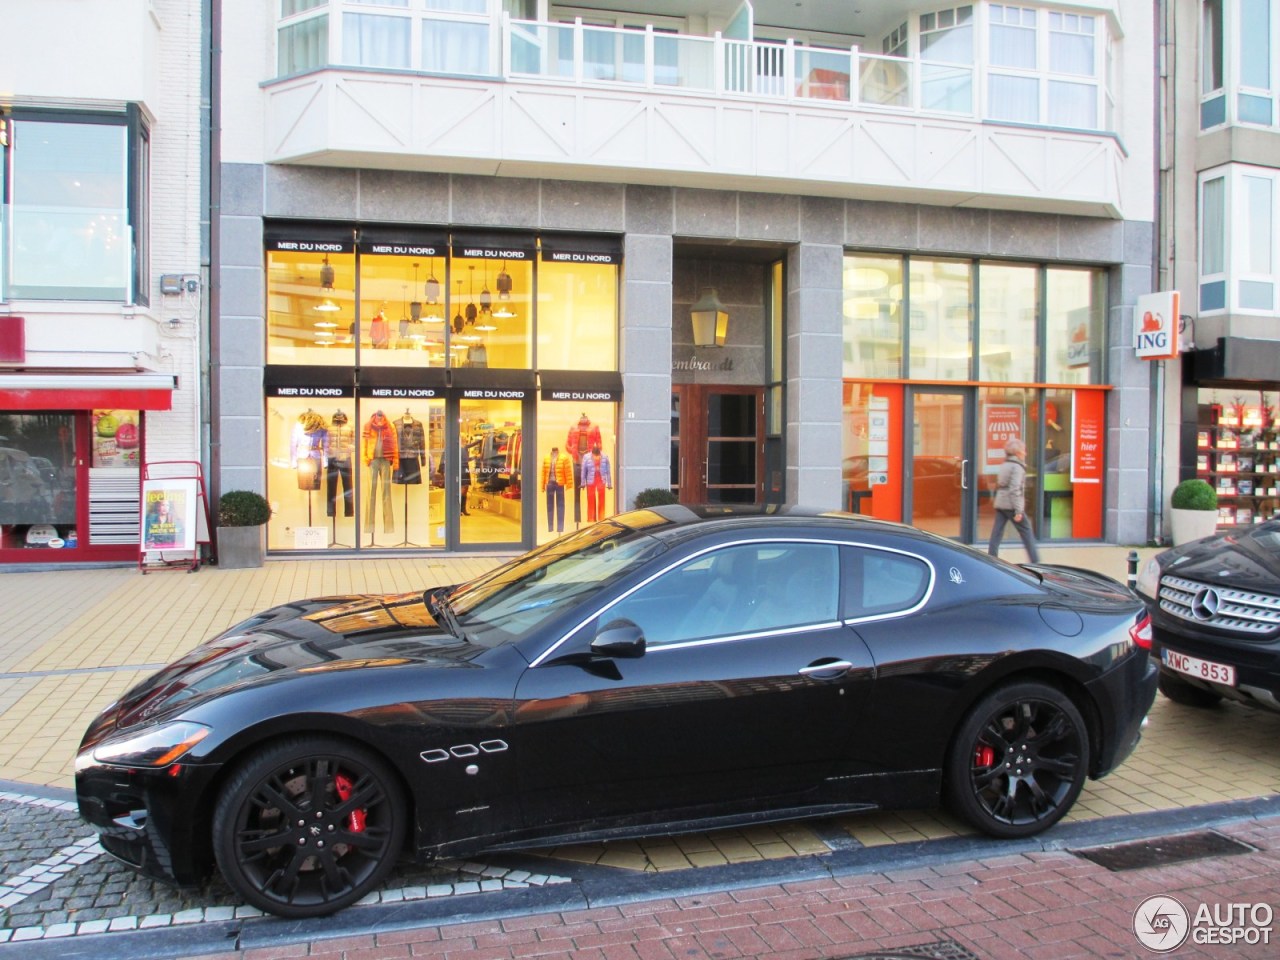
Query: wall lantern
710, 321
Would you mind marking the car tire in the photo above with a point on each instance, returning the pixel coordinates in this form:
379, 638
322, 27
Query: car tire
1019, 760
1189, 695
285, 856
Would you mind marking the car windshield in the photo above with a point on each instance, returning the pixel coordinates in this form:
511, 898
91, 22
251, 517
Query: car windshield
517, 598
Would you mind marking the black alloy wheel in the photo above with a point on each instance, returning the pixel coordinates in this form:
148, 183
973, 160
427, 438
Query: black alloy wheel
1187, 694
1019, 760
308, 826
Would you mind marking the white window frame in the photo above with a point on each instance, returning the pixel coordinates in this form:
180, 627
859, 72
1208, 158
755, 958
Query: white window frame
1237, 212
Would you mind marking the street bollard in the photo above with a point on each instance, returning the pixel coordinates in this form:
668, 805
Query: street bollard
1133, 569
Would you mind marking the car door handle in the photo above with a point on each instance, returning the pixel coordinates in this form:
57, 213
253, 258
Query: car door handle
831, 670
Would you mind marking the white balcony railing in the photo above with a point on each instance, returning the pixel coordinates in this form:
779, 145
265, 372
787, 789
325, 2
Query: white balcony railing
649, 59
477, 46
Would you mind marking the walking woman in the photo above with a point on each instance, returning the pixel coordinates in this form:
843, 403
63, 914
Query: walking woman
1011, 501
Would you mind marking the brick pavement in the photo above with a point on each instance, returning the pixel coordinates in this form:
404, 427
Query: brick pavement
1030, 906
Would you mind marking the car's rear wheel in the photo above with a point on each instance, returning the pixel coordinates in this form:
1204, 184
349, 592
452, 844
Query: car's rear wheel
1179, 691
1019, 760
307, 826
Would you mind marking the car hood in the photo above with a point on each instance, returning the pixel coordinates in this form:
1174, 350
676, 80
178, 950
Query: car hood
312, 636
1245, 561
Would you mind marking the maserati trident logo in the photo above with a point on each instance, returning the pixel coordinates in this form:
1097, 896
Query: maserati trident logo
1204, 605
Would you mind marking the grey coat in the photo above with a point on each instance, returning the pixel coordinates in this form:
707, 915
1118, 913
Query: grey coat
1010, 483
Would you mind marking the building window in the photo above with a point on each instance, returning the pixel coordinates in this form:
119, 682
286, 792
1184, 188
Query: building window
1239, 261
1002, 340
1238, 73
76, 222
946, 54
302, 39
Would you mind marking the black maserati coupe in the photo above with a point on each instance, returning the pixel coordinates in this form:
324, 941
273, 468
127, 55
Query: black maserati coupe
1215, 612
660, 672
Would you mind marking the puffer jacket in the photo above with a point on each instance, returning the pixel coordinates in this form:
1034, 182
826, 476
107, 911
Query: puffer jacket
1010, 486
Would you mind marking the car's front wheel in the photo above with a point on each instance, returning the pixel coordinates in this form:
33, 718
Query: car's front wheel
1019, 760
307, 826
1179, 691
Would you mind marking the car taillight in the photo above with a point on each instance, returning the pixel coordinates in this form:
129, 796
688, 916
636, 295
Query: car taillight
1141, 632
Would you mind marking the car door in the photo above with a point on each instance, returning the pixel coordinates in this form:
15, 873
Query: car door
742, 698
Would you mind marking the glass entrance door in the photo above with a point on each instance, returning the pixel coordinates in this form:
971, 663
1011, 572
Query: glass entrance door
942, 493
717, 449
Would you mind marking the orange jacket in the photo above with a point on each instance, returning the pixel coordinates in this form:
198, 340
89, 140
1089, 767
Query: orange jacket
379, 425
563, 470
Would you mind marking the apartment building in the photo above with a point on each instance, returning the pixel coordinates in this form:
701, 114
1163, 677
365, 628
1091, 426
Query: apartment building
765, 252
102, 270
1219, 210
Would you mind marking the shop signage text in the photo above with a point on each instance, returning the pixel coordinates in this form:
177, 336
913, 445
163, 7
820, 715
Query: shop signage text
310, 245
1088, 424
1002, 423
579, 395
1155, 325
564, 256
492, 394
309, 392
693, 363
425, 393
404, 250
490, 253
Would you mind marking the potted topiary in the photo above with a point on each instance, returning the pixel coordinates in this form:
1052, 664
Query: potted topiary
654, 497
242, 516
1194, 513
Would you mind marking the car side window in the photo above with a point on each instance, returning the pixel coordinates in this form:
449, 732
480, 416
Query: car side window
879, 582
749, 588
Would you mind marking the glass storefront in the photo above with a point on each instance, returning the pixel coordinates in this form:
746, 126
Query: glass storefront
997, 351
402, 386
1237, 450
69, 482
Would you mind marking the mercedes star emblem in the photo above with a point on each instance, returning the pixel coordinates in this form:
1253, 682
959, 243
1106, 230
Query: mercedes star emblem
1205, 603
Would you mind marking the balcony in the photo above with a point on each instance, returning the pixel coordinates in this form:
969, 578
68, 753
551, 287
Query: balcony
571, 101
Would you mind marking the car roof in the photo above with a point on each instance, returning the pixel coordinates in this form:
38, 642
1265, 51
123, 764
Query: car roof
688, 521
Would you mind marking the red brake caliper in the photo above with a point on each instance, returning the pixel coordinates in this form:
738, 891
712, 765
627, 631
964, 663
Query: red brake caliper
343, 785
984, 756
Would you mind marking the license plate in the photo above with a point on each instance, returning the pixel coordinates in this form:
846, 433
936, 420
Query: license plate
1201, 669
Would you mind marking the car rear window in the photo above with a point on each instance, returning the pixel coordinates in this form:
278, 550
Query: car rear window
879, 582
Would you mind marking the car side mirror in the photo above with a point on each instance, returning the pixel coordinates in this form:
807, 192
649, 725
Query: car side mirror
619, 638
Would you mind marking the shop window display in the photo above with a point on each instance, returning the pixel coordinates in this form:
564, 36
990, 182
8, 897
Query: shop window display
403, 306
310, 306
359, 472
38, 480
490, 461
489, 317
585, 440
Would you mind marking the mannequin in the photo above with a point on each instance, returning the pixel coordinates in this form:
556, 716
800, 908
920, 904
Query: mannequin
412, 441
583, 435
464, 476
342, 447
557, 474
379, 449
380, 332
309, 449
597, 476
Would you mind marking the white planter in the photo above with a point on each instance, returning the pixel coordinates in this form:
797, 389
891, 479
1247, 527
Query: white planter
1188, 525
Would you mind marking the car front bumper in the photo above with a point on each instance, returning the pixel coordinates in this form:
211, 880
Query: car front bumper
149, 819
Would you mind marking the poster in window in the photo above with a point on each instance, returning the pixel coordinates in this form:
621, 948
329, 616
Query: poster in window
169, 514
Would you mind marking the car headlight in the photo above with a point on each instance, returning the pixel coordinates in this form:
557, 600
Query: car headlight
1149, 578
156, 746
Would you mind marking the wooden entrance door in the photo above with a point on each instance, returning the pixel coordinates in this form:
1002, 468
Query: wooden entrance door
717, 444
